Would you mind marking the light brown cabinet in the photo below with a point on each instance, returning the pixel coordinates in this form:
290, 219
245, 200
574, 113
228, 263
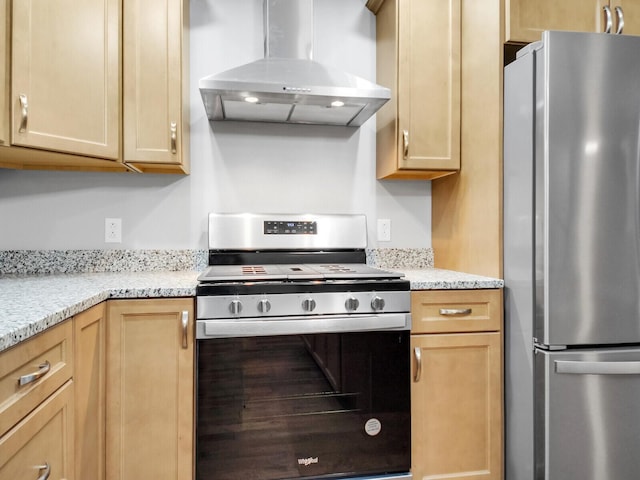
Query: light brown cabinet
418, 58
155, 83
65, 73
150, 394
527, 19
33, 370
456, 392
42, 442
98, 86
36, 406
89, 392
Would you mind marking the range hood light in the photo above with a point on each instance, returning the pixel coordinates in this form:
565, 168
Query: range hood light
337, 103
251, 99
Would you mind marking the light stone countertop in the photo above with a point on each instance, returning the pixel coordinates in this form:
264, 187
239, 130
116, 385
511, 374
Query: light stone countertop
438, 279
31, 304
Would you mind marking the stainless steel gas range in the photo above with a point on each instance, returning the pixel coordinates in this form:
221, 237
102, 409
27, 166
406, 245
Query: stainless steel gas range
302, 353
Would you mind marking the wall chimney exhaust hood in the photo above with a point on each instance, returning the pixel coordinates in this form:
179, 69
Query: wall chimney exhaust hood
287, 86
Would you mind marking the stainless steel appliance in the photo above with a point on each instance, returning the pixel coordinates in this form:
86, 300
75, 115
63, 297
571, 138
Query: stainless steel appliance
287, 86
302, 353
572, 258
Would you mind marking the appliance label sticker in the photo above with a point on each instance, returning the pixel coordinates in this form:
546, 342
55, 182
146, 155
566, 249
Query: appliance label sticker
372, 427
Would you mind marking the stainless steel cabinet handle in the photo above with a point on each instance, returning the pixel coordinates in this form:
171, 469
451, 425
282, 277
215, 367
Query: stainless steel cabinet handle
418, 354
24, 113
185, 329
174, 137
597, 368
608, 22
405, 141
620, 20
43, 369
45, 474
455, 311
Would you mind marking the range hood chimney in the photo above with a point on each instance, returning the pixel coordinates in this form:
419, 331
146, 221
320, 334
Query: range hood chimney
287, 86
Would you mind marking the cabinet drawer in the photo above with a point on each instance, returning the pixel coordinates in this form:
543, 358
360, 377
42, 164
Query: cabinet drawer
42, 441
440, 311
27, 361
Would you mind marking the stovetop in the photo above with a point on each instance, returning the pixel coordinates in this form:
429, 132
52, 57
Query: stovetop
258, 254
294, 272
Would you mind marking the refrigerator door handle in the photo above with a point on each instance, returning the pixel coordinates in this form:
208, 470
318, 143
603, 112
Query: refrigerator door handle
597, 368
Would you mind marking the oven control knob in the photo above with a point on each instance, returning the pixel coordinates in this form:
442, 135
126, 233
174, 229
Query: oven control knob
235, 307
352, 304
264, 306
377, 303
308, 304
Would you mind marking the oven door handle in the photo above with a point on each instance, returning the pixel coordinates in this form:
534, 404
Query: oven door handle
257, 327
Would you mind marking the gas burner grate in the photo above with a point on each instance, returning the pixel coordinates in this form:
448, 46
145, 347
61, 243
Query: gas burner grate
253, 270
338, 269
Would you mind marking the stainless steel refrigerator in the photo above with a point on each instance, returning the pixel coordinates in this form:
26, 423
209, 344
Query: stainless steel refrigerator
572, 258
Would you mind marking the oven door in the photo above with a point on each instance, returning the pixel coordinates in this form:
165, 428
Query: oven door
310, 405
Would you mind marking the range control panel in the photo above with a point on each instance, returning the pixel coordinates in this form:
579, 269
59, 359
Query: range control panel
277, 227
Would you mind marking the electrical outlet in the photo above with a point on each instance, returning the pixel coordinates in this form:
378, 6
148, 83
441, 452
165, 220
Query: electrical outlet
384, 230
113, 230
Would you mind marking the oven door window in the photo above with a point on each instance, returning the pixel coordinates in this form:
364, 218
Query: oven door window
286, 407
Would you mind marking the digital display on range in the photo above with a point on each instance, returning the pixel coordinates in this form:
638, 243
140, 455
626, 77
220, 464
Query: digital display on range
276, 227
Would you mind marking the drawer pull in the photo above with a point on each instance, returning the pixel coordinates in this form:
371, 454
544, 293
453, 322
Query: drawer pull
43, 369
418, 354
45, 474
455, 311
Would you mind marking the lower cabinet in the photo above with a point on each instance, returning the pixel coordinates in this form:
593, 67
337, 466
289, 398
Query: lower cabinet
37, 407
456, 392
150, 397
41, 445
89, 378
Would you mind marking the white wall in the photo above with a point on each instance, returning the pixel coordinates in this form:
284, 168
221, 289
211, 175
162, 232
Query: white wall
236, 167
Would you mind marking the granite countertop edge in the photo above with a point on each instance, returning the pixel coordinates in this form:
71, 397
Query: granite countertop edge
29, 304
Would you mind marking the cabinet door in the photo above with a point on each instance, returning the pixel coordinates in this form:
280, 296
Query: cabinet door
150, 393
42, 441
153, 67
429, 85
65, 76
89, 380
527, 19
5, 56
456, 400
418, 58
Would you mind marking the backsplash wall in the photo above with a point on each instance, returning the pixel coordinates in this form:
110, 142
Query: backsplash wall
235, 167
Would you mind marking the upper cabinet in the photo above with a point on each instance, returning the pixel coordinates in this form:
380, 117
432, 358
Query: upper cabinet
64, 76
96, 86
418, 58
527, 19
155, 82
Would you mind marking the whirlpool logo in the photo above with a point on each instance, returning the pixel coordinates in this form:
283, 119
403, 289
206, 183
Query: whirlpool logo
307, 461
